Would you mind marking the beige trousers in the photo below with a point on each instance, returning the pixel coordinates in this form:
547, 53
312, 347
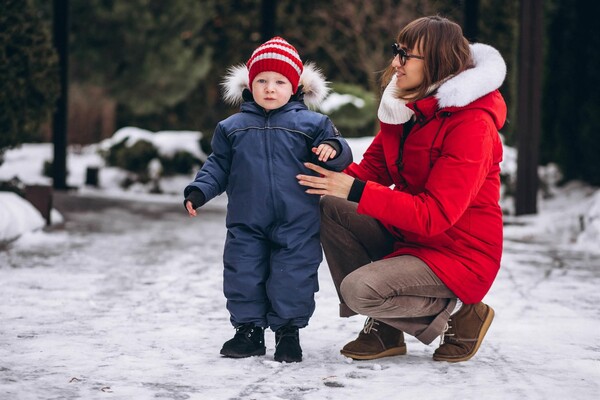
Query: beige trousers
401, 291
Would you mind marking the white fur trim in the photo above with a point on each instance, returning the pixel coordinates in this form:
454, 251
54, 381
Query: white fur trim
487, 75
234, 83
393, 110
315, 86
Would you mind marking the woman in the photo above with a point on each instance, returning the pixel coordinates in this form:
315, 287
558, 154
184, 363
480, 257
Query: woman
416, 225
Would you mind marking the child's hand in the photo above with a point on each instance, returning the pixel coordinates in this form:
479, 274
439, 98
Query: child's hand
325, 152
190, 209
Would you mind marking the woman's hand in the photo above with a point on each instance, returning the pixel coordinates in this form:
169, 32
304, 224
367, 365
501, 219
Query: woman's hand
331, 183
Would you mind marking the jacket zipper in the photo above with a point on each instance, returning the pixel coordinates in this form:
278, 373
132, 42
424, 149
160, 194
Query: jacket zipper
269, 151
407, 127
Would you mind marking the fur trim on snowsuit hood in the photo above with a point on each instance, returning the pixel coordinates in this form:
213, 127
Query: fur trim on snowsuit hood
312, 80
460, 90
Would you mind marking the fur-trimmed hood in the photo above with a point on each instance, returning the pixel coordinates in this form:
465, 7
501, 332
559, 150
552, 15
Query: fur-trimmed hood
312, 80
458, 91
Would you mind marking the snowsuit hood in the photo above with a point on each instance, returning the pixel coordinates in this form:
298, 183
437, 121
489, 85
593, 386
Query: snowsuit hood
313, 85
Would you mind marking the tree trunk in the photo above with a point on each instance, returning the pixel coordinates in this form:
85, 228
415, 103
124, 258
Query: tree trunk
269, 17
59, 123
471, 18
529, 106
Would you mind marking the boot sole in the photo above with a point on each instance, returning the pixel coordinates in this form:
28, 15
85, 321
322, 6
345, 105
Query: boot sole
287, 359
394, 351
259, 352
484, 329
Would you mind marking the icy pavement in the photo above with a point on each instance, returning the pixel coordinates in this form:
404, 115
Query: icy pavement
125, 302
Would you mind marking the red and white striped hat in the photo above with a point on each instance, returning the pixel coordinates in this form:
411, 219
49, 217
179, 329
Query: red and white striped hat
279, 56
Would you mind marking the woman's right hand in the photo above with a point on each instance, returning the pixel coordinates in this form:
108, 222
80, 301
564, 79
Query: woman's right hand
330, 183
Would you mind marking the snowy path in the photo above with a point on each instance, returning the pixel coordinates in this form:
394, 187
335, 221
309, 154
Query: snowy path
126, 303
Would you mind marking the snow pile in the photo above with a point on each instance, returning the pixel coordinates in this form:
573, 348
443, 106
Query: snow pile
166, 142
26, 163
589, 238
335, 101
17, 216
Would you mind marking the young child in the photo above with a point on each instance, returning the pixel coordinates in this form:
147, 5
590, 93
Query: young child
272, 250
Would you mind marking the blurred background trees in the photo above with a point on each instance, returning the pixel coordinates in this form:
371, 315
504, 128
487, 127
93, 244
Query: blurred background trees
571, 101
28, 73
157, 65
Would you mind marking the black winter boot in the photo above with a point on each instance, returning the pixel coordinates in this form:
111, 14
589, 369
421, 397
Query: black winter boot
287, 344
249, 340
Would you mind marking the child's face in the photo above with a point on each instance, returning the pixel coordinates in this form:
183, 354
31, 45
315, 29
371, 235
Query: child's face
271, 90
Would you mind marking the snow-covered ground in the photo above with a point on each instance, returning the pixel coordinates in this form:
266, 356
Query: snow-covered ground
125, 302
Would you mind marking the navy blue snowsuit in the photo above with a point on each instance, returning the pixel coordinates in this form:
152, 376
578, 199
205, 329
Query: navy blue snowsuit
272, 251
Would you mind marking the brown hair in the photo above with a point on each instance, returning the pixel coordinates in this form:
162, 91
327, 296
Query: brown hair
444, 47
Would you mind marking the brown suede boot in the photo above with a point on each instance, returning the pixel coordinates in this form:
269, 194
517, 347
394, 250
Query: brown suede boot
375, 340
464, 333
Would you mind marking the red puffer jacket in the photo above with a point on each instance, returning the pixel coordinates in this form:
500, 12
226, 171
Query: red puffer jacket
443, 204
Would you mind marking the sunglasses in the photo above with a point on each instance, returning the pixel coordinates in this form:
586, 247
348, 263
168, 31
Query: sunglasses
399, 51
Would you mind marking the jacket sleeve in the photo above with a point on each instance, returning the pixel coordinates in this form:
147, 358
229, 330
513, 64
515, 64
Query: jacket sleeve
454, 181
328, 132
212, 178
372, 167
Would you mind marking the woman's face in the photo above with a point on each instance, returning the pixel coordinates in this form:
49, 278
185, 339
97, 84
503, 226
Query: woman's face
412, 73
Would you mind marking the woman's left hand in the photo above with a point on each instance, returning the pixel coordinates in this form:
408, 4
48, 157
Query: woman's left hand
330, 182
